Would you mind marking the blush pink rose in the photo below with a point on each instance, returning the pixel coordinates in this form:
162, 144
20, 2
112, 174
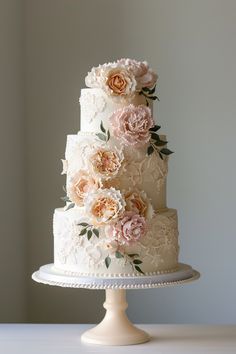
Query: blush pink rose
148, 80
131, 124
129, 229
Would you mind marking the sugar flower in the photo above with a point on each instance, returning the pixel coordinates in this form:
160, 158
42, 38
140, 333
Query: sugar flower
131, 124
128, 229
80, 185
138, 202
104, 206
122, 78
106, 162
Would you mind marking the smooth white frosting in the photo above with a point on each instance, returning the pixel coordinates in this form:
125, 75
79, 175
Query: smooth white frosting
97, 106
158, 249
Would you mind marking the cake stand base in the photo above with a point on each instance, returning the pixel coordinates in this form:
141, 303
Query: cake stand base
115, 328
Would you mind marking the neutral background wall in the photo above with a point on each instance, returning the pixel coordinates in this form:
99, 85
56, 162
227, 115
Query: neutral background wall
191, 43
12, 160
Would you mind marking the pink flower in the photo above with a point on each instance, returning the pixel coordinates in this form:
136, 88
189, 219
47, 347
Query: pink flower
129, 229
131, 124
148, 80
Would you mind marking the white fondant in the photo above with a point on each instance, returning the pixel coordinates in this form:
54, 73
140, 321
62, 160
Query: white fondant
158, 249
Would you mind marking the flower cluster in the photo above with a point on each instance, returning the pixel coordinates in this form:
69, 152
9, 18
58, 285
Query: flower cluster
123, 214
122, 78
132, 124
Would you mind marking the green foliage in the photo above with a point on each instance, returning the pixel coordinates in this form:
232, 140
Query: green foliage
105, 134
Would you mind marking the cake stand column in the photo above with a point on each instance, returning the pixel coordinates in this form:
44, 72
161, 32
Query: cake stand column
115, 328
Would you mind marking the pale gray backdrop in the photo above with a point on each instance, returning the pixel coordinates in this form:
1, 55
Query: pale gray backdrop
47, 47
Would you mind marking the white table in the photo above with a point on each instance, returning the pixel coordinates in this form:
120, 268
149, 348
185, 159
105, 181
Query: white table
65, 339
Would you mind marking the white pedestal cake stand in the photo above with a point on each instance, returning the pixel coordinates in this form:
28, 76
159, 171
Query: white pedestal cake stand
115, 328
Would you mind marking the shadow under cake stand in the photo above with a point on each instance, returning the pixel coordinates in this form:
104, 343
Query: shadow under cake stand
115, 328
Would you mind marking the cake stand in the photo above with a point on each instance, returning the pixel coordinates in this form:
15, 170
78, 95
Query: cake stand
115, 328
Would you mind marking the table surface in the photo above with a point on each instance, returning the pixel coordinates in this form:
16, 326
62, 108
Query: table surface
65, 339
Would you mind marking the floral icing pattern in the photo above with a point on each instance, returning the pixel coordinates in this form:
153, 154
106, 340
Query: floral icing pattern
92, 104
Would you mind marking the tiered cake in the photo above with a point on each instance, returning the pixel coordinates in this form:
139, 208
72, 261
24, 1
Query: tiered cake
116, 222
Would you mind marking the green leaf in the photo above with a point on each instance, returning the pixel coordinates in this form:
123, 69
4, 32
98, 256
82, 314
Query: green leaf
108, 135
119, 255
155, 128
102, 127
70, 206
160, 143
89, 234
101, 136
146, 89
166, 151
150, 150
107, 261
151, 91
82, 232
65, 199
137, 261
139, 269
133, 255
153, 98
96, 232
155, 136
83, 224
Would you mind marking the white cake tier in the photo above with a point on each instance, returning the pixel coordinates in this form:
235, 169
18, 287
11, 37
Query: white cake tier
158, 249
97, 106
137, 171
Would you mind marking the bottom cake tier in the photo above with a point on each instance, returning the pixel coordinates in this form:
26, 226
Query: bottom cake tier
155, 253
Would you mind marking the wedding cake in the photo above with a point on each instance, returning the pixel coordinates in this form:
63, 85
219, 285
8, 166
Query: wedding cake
115, 221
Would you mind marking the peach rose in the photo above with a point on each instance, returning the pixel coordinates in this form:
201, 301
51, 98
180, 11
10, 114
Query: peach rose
80, 185
106, 163
139, 203
120, 82
104, 206
131, 124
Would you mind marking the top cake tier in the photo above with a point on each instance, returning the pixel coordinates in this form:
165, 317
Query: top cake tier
112, 87
97, 106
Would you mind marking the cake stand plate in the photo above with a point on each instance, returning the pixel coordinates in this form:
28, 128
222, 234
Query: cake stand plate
49, 274
115, 328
